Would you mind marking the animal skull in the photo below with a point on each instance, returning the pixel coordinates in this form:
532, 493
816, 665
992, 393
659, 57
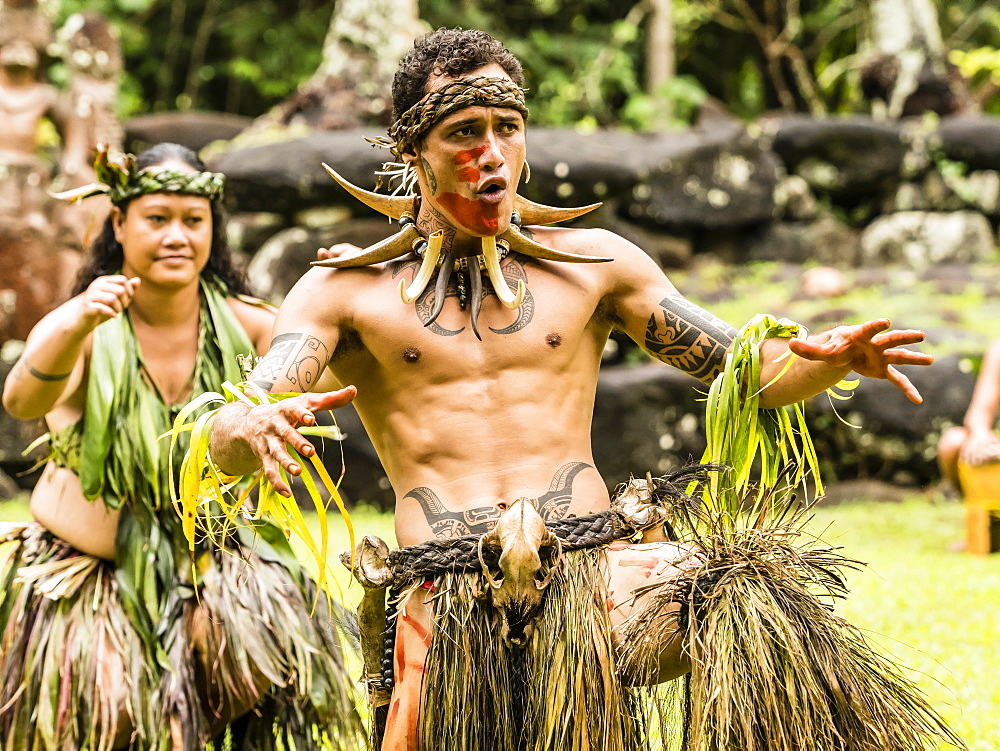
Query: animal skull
517, 586
636, 504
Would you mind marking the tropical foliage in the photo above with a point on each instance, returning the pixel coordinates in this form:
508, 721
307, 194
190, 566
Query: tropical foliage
585, 59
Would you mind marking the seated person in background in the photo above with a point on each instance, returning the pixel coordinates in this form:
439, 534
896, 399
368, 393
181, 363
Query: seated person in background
975, 442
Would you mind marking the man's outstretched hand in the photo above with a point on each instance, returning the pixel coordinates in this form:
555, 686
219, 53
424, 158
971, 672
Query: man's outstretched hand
868, 349
268, 429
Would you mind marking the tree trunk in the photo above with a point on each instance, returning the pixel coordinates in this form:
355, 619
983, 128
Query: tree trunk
660, 53
352, 85
907, 72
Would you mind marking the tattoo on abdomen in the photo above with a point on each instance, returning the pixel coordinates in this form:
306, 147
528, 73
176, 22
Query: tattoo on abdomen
689, 338
296, 358
445, 523
554, 504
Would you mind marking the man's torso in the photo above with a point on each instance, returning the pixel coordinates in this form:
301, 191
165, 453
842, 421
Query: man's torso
465, 426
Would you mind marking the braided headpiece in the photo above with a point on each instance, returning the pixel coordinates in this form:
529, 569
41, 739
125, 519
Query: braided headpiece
121, 181
486, 91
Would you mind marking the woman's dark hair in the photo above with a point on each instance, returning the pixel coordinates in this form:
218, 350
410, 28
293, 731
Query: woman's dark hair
448, 52
106, 255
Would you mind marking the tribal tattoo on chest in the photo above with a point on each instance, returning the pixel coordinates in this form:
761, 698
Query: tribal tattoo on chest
513, 270
689, 338
553, 504
297, 358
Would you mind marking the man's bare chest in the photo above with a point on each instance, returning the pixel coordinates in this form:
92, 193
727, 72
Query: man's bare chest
559, 319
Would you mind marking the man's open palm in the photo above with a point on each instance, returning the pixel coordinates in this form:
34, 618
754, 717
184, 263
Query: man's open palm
870, 350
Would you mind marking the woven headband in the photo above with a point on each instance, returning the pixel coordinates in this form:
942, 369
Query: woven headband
120, 181
486, 91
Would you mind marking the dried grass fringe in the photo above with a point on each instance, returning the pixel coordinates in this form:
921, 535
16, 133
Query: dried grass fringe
773, 667
562, 692
72, 662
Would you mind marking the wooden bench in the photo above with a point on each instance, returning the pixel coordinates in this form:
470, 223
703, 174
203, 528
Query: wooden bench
981, 489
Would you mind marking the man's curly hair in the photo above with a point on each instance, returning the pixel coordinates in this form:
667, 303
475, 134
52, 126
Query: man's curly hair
449, 52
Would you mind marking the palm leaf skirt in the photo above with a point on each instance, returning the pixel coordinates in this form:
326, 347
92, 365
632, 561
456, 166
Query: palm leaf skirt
78, 671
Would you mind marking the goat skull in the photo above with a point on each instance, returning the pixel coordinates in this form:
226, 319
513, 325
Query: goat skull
517, 588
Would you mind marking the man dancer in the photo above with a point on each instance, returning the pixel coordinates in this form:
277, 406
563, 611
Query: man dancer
475, 393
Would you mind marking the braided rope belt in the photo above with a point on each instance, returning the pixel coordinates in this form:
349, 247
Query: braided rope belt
434, 557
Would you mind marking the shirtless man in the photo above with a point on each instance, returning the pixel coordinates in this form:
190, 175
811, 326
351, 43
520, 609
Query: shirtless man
465, 425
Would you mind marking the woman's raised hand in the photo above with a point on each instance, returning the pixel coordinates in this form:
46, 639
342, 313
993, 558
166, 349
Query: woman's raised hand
106, 297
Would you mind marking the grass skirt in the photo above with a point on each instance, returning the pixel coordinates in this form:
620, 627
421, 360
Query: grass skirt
773, 667
563, 691
80, 667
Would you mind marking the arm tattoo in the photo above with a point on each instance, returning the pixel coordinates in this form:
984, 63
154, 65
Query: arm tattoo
49, 377
554, 504
688, 337
21, 365
431, 177
297, 358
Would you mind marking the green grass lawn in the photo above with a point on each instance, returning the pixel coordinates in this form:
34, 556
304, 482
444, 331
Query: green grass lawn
935, 611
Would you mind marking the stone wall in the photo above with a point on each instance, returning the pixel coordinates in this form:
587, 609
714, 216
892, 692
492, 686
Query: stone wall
845, 192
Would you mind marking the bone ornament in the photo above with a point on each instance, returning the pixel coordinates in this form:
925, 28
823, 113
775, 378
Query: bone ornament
370, 566
402, 208
370, 563
636, 505
517, 587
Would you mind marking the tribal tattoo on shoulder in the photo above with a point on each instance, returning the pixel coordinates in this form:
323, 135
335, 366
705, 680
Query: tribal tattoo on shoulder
690, 338
553, 504
297, 358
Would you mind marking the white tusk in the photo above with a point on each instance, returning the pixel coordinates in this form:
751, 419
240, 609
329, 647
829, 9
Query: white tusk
411, 293
509, 299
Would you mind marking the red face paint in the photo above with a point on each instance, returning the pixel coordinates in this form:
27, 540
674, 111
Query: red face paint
468, 174
464, 157
482, 218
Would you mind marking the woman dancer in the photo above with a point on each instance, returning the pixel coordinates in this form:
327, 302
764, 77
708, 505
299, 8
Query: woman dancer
111, 637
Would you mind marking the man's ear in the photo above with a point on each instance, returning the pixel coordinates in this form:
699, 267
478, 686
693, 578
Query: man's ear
118, 223
411, 156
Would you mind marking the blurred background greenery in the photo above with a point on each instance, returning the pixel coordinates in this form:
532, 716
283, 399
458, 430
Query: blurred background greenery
584, 59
